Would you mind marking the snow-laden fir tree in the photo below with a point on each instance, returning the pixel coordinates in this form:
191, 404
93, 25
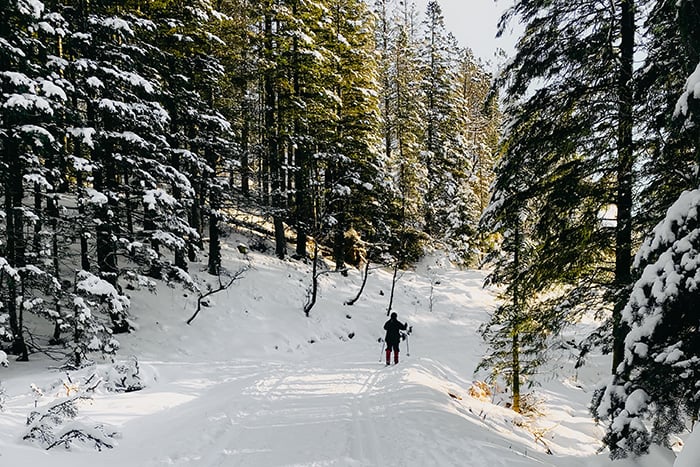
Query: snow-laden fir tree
351, 157
655, 390
31, 101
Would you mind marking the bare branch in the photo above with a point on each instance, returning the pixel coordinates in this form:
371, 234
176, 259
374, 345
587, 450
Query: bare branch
237, 275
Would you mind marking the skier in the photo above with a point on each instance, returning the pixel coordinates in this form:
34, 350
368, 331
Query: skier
393, 329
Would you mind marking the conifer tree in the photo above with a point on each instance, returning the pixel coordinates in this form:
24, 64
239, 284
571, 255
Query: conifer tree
406, 113
353, 141
653, 393
518, 330
438, 75
568, 72
32, 97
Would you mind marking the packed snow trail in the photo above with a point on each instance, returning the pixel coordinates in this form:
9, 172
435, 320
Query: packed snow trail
254, 383
244, 414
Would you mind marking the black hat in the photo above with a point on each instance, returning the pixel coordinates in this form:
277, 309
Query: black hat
393, 315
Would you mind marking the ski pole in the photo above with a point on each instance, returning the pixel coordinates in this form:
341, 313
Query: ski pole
408, 348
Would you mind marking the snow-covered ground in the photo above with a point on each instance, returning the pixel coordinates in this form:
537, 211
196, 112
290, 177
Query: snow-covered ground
252, 382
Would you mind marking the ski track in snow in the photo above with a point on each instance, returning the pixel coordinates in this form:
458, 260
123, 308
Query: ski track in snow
253, 383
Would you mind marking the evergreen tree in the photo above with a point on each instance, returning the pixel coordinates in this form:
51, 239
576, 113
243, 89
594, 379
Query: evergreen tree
574, 65
406, 113
436, 64
518, 331
654, 390
460, 140
32, 97
656, 384
353, 142
477, 124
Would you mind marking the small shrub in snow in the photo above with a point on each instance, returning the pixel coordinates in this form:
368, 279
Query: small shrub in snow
95, 436
123, 377
480, 390
56, 424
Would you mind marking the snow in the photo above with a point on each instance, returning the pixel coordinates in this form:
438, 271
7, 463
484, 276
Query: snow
86, 134
128, 136
95, 197
93, 285
691, 91
18, 79
155, 197
132, 78
32, 8
690, 455
252, 382
28, 102
118, 24
51, 90
95, 82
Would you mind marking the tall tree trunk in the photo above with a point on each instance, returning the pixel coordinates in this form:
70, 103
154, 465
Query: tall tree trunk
515, 322
38, 225
180, 260
84, 255
15, 245
245, 148
625, 153
303, 200
53, 213
106, 257
301, 159
273, 155
214, 263
516, 371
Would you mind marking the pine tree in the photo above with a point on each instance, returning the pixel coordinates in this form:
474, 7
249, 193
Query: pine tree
518, 331
654, 390
406, 114
438, 75
656, 384
477, 120
32, 97
352, 141
515, 337
574, 65
460, 140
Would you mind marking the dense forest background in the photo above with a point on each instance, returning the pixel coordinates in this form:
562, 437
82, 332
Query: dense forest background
134, 134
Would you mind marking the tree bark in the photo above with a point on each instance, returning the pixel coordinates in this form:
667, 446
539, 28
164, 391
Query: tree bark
625, 154
274, 158
15, 244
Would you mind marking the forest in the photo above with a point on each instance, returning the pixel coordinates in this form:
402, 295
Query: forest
135, 135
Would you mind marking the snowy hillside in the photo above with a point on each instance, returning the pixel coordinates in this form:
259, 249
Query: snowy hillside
252, 382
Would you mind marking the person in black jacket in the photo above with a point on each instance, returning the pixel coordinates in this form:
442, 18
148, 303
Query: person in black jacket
393, 329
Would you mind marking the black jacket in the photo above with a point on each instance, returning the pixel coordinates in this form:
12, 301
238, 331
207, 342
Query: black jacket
393, 328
